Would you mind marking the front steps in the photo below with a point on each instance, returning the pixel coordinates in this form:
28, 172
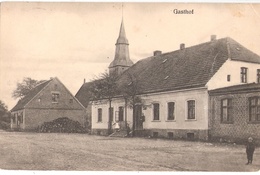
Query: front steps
119, 133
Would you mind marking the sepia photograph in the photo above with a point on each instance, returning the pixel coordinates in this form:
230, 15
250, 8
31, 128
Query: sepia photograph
129, 87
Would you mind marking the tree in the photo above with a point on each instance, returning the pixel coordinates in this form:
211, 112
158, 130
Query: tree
3, 108
5, 116
25, 87
130, 90
105, 87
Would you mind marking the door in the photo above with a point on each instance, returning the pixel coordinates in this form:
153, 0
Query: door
110, 119
138, 117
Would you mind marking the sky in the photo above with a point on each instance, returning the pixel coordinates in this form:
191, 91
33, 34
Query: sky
76, 41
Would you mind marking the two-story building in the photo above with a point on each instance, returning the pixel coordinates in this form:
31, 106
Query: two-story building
176, 90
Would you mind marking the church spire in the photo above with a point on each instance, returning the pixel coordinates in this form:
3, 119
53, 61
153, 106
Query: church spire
122, 36
122, 59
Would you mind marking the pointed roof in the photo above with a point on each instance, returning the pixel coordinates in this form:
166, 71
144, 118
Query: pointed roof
122, 57
22, 102
122, 36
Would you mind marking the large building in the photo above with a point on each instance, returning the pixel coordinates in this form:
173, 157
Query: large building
235, 112
173, 89
47, 101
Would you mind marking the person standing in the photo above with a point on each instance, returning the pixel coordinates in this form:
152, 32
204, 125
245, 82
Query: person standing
250, 148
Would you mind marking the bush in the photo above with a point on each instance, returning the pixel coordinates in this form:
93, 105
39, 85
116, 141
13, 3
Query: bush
64, 125
4, 125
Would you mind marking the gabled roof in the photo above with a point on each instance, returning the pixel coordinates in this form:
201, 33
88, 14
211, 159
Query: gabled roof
21, 103
187, 68
242, 88
84, 94
240, 53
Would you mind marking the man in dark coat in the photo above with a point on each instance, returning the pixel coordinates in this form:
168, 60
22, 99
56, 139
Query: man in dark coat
250, 148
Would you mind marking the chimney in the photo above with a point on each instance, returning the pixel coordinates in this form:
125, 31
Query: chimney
84, 81
182, 46
157, 52
213, 37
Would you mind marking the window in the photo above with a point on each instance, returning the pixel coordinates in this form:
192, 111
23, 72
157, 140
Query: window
226, 114
121, 113
191, 109
156, 111
55, 97
171, 107
254, 109
228, 78
99, 114
243, 75
20, 118
258, 76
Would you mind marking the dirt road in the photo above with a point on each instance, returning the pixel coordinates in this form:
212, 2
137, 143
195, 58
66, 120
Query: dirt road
35, 151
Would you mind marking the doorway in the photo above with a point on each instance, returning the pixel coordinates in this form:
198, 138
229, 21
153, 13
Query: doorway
138, 117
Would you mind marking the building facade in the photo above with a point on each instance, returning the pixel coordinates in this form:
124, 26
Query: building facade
173, 89
235, 113
175, 114
47, 101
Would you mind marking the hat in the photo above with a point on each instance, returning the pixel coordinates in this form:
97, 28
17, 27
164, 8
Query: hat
250, 138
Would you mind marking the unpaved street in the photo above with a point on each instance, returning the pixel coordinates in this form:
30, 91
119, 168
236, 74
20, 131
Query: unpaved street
50, 151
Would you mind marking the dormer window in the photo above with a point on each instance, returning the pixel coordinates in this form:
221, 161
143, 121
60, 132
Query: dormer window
166, 77
164, 60
243, 75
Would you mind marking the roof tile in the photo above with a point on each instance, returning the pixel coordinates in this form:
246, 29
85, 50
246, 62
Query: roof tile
22, 102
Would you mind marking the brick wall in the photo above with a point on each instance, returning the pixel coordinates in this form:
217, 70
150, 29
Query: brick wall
36, 117
240, 129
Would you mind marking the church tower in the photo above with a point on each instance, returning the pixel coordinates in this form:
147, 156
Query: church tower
122, 60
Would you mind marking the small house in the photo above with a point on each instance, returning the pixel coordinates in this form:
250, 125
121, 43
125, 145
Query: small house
46, 102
